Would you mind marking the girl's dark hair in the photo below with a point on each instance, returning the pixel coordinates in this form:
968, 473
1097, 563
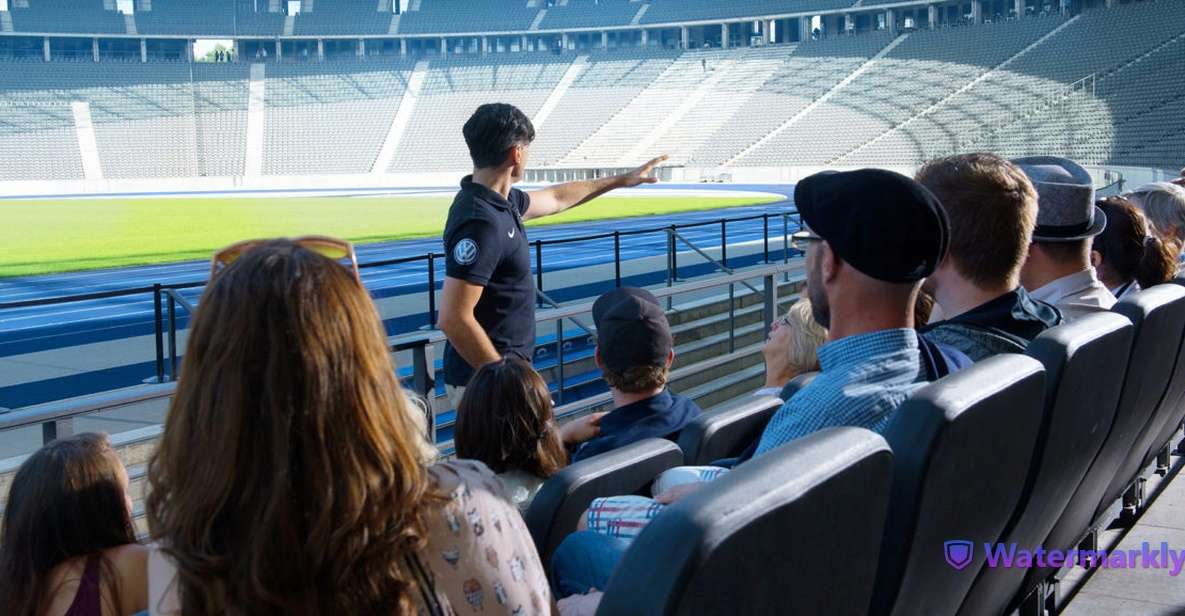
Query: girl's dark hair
505, 420
67, 501
1131, 249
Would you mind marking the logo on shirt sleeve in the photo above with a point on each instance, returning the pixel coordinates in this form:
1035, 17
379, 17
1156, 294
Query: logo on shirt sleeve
465, 252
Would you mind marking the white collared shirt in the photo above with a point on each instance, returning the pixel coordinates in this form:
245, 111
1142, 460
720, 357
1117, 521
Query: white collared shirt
1076, 295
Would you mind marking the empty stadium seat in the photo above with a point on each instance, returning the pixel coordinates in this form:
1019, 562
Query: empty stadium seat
962, 447
1142, 449
754, 542
1084, 368
563, 498
726, 432
1155, 314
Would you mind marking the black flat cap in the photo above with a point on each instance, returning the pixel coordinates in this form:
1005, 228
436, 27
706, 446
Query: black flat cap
884, 224
632, 329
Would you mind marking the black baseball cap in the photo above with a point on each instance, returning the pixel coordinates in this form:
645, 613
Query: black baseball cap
884, 224
632, 329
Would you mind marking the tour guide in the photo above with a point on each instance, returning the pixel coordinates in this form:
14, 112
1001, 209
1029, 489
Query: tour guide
487, 309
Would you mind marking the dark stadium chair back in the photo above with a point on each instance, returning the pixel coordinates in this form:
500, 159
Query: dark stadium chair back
726, 432
796, 530
564, 497
1084, 364
961, 447
1150, 366
1142, 446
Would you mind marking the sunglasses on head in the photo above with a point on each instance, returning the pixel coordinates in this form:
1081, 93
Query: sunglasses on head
327, 246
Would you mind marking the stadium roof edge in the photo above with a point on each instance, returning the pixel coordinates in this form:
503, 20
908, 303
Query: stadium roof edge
880, 8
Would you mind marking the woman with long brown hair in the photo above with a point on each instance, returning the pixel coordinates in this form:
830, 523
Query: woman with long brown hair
288, 479
1128, 254
67, 545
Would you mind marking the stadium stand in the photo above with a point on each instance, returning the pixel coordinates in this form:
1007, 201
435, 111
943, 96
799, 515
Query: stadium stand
454, 87
258, 23
611, 80
67, 16
668, 11
183, 17
342, 17
589, 13
451, 16
1096, 87
343, 107
220, 118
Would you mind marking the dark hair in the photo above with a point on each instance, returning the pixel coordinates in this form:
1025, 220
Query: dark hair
492, 130
67, 501
505, 420
288, 478
1129, 247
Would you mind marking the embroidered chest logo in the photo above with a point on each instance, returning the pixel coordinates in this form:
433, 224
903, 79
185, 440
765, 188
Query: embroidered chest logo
510, 233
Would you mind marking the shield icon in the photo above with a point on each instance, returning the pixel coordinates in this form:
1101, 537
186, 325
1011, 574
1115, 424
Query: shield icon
959, 553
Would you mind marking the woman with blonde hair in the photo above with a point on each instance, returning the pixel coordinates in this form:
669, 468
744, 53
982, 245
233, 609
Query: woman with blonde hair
290, 477
791, 347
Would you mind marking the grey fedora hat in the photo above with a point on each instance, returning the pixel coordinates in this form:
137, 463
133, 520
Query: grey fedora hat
1065, 199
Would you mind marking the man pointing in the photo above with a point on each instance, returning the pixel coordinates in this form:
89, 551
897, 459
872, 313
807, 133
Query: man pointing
487, 308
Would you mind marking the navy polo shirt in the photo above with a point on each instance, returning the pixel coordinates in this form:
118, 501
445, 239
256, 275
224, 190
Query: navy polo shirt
486, 244
658, 416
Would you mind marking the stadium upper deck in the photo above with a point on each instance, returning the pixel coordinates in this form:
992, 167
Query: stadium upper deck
1099, 86
418, 18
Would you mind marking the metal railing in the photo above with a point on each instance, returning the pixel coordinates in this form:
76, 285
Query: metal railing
166, 297
57, 418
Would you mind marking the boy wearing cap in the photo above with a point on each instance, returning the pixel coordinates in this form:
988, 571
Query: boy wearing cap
992, 208
634, 352
873, 236
1058, 269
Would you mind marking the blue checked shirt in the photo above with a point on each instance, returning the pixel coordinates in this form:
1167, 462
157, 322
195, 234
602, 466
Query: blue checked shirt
862, 380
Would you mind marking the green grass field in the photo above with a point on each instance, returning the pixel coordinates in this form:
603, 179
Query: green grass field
41, 237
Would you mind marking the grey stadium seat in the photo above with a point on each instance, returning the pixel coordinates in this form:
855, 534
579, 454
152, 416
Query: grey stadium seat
1150, 365
796, 384
755, 542
1084, 364
564, 497
1137, 456
726, 432
961, 447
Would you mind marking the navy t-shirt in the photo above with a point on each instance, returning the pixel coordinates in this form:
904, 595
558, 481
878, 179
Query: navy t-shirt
485, 244
658, 416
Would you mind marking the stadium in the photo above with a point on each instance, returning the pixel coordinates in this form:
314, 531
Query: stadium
140, 137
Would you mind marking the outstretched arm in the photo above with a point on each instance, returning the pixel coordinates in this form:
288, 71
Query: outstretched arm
560, 197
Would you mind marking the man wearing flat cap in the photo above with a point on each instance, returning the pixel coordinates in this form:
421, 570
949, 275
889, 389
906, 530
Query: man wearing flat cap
634, 352
1058, 269
871, 237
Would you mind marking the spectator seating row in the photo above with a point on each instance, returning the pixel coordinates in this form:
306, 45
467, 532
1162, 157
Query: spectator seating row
1015, 449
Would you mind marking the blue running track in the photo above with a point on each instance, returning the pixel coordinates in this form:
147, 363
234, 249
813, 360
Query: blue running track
49, 328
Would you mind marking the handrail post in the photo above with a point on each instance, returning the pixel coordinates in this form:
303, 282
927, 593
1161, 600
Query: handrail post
732, 321
765, 236
559, 345
424, 382
724, 242
539, 266
674, 254
617, 258
172, 308
769, 285
158, 326
431, 290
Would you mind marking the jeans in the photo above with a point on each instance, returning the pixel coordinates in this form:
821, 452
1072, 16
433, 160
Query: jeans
585, 560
